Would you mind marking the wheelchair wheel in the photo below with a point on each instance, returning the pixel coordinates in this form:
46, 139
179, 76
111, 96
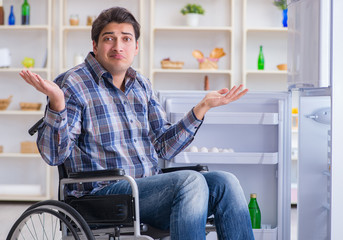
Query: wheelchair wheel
50, 220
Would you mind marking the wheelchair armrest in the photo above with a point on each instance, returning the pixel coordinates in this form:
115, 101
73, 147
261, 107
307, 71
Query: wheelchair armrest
34, 128
99, 173
198, 168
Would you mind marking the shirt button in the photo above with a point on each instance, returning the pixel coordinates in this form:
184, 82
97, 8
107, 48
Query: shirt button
125, 102
131, 121
135, 140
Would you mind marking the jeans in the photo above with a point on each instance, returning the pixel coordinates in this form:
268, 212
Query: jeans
181, 201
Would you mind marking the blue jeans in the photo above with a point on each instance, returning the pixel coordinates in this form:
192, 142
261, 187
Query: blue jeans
181, 201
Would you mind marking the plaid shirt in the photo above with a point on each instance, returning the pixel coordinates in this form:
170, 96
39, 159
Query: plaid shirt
104, 128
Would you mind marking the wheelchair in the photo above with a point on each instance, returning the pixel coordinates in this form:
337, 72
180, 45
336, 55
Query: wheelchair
111, 217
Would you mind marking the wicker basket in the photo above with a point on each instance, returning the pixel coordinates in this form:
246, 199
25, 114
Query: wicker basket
26, 106
28, 147
167, 64
4, 103
208, 64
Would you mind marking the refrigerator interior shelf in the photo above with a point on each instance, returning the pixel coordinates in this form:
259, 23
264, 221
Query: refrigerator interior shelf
226, 158
265, 234
234, 118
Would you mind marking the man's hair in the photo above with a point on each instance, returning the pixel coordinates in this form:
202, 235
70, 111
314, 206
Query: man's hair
117, 15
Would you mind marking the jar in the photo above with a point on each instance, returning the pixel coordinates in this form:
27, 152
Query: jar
90, 20
74, 20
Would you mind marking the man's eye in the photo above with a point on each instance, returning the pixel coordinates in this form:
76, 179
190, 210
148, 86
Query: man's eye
108, 39
127, 39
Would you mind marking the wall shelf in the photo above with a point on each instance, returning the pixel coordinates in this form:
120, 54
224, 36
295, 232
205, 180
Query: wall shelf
266, 31
169, 31
34, 41
28, 27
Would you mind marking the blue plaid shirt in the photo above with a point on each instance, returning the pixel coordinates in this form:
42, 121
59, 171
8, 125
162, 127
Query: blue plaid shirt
104, 128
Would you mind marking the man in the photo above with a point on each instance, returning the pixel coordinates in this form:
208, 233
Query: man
102, 114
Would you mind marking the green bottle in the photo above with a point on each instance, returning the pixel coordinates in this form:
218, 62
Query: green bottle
260, 62
255, 213
25, 13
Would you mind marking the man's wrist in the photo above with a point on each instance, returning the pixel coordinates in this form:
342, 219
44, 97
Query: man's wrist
200, 110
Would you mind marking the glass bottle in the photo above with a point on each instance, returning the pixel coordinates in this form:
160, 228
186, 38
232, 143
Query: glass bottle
11, 17
25, 13
2, 14
255, 213
260, 62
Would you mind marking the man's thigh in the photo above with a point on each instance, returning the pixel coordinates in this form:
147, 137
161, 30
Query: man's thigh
156, 195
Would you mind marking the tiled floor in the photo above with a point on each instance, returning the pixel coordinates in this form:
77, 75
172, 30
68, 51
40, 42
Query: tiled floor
9, 213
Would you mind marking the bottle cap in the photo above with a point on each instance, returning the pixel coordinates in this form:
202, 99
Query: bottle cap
253, 195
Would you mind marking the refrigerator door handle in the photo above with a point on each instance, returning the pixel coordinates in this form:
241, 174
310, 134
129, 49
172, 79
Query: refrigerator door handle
321, 116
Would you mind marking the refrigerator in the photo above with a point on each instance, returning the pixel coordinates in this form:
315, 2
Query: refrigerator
249, 138
252, 137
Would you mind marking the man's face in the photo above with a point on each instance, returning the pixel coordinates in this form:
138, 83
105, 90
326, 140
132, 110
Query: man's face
116, 47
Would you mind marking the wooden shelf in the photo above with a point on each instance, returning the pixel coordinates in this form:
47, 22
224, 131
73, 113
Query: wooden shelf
186, 28
34, 198
262, 72
20, 155
17, 70
25, 27
267, 29
218, 71
19, 112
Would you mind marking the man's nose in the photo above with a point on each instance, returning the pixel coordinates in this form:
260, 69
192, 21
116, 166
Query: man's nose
116, 45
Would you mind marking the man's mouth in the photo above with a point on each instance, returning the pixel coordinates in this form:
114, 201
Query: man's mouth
116, 56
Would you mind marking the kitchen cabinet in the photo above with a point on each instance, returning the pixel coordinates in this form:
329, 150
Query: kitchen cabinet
171, 38
29, 178
262, 26
75, 40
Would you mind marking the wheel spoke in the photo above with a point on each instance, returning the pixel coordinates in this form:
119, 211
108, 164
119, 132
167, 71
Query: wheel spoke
43, 226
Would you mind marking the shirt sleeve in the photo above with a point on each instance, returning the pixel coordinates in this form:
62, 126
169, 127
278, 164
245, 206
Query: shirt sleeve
59, 131
170, 139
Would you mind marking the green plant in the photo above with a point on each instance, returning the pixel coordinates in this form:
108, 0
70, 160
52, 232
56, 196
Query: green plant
192, 8
282, 4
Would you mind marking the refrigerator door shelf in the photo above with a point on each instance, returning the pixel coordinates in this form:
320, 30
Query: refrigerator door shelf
234, 118
265, 234
226, 158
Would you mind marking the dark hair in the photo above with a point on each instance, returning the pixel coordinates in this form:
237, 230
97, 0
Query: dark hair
117, 15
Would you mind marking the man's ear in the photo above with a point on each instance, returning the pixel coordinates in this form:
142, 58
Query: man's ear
137, 48
95, 47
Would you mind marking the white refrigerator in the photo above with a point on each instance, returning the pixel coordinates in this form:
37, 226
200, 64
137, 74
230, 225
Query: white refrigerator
252, 136
249, 138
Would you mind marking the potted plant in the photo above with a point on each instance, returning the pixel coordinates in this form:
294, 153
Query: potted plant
282, 4
192, 11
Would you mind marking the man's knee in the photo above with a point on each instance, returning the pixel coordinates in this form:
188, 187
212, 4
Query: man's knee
223, 180
191, 178
193, 184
